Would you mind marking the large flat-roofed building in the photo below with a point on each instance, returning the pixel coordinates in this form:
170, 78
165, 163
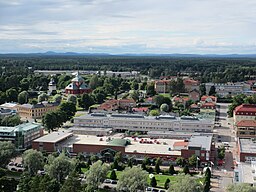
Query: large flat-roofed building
225, 89
162, 86
245, 173
21, 135
131, 122
106, 146
247, 149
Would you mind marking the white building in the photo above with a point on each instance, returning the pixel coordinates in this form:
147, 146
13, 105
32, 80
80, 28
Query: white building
132, 122
225, 89
245, 173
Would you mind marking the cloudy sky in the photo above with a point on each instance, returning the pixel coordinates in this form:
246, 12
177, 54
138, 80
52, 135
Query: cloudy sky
128, 26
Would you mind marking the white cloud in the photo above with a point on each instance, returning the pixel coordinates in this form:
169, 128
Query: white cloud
186, 26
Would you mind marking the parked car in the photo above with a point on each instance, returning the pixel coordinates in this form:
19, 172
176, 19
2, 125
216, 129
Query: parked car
107, 181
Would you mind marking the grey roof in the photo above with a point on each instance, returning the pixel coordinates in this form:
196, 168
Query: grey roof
39, 105
72, 86
54, 137
247, 145
201, 141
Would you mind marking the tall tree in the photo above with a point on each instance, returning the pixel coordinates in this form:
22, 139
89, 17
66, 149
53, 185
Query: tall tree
94, 82
212, 90
57, 98
132, 180
7, 151
12, 95
153, 182
95, 176
207, 180
167, 183
202, 89
85, 101
69, 108
33, 161
72, 183
157, 165
23, 97
72, 99
113, 175
171, 170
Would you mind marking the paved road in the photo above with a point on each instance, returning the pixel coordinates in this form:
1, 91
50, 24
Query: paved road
224, 173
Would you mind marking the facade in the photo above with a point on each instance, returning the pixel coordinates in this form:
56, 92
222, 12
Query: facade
209, 108
36, 111
246, 129
106, 146
245, 173
244, 112
247, 149
21, 135
228, 89
130, 122
77, 86
162, 86
113, 104
191, 84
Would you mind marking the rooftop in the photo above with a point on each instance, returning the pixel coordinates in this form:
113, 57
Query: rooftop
204, 142
246, 123
249, 108
247, 145
54, 137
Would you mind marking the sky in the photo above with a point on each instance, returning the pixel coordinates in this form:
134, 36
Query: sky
128, 26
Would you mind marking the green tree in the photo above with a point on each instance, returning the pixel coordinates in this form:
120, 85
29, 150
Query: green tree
48, 184
212, 90
132, 180
135, 95
186, 170
11, 121
42, 97
154, 112
135, 85
241, 187
185, 183
69, 108
157, 165
171, 170
72, 99
85, 101
150, 89
57, 98
167, 183
8, 184
202, 89
192, 161
94, 82
3, 98
96, 174
180, 161
11, 95
49, 121
164, 107
23, 97
153, 182
72, 183
207, 180
33, 161
59, 167
113, 175
7, 151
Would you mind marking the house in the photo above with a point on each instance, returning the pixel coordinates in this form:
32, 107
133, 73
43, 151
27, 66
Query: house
244, 112
246, 129
208, 99
126, 103
194, 95
162, 86
180, 100
77, 86
191, 84
36, 111
208, 108
194, 108
109, 105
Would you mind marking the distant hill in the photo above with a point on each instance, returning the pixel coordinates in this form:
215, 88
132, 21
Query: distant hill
52, 53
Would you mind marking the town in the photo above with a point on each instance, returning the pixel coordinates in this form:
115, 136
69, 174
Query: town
103, 130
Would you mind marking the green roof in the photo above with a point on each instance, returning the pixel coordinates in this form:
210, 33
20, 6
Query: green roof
118, 142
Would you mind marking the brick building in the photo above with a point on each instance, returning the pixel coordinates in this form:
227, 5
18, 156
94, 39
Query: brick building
244, 112
246, 129
247, 149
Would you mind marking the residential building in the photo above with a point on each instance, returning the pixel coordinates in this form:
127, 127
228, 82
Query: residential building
162, 86
247, 149
77, 86
131, 122
36, 111
246, 129
194, 95
126, 103
191, 84
21, 135
180, 100
228, 89
208, 99
244, 112
209, 108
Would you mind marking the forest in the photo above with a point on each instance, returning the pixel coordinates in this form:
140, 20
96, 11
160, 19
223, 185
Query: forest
205, 69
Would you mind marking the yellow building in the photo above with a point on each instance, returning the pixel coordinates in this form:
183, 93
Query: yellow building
36, 111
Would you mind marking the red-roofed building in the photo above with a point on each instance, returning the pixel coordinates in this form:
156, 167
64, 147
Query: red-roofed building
208, 99
191, 84
244, 112
126, 103
246, 129
209, 108
194, 95
162, 86
180, 100
140, 109
180, 145
109, 105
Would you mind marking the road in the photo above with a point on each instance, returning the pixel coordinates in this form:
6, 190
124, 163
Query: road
225, 133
